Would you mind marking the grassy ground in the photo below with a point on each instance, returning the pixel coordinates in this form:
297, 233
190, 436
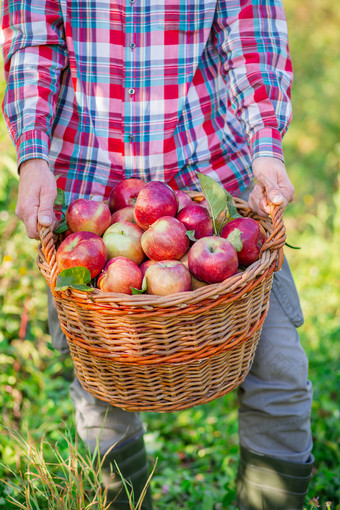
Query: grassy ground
197, 449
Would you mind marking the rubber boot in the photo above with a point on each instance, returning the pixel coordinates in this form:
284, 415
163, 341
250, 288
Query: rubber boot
265, 483
132, 463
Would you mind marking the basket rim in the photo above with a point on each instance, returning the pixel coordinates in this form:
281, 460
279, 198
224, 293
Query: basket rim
270, 259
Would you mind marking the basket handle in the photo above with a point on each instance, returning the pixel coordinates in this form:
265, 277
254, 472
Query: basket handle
277, 238
49, 252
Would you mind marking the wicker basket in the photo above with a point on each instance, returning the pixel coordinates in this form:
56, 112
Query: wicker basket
163, 354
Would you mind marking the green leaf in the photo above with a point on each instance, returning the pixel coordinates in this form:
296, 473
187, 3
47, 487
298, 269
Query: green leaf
60, 199
61, 227
215, 194
142, 290
76, 278
191, 235
218, 199
234, 238
232, 209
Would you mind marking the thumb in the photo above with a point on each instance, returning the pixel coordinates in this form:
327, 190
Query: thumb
275, 196
273, 190
45, 212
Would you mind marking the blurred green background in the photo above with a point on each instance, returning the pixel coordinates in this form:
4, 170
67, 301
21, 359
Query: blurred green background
197, 464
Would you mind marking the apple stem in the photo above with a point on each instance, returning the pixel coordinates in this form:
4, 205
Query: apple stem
224, 221
212, 219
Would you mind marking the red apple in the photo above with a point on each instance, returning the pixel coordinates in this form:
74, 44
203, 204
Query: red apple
123, 239
212, 259
196, 217
88, 215
183, 199
119, 275
252, 237
167, 277
125, 194
166, 239
82, 249
147, 263
155, 200
125, 214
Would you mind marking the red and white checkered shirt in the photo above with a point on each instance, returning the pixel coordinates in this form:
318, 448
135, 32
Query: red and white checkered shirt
109, 89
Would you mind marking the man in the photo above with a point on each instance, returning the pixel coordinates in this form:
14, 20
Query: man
103, 90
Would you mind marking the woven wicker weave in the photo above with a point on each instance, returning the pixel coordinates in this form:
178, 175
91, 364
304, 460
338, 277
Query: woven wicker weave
153, 353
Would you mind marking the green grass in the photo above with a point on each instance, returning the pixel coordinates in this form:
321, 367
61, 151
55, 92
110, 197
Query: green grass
197, 449
57, 478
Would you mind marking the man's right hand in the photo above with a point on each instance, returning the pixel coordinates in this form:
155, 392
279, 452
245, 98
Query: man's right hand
36, 195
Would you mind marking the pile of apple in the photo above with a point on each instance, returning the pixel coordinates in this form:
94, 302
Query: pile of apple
151, 238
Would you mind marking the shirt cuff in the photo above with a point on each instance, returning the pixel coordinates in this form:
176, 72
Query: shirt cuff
34, 144
266, 142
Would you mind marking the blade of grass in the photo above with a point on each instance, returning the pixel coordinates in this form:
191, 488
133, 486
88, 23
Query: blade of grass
145, 488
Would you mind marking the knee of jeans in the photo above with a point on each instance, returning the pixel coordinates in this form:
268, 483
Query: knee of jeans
280, 358
277, 384
275, 420
99, 423
104, 429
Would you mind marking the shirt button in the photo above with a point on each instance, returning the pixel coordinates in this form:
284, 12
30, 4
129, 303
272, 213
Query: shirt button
131, 92
131, 138
132, 45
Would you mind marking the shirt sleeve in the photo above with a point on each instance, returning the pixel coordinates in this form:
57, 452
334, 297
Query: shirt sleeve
34, 52
252, 40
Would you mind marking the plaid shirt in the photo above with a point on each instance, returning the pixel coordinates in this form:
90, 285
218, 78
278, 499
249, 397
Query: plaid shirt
111, 89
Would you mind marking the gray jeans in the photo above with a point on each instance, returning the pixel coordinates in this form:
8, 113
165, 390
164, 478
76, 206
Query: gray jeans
274, 400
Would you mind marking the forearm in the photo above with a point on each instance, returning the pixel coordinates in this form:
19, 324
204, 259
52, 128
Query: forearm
35, 54
253, 44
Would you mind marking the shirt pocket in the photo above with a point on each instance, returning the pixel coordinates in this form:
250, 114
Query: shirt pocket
285, 292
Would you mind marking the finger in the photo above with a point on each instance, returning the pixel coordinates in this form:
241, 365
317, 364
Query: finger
288, 191
257, 201
273, 192
28, 215
46, 216
30, 222
18, 212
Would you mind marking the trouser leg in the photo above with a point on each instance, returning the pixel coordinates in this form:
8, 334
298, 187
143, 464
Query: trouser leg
100, 424
276, 396
106, 425
274, 409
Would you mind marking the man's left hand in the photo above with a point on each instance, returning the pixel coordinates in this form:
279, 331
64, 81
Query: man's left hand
272, 185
